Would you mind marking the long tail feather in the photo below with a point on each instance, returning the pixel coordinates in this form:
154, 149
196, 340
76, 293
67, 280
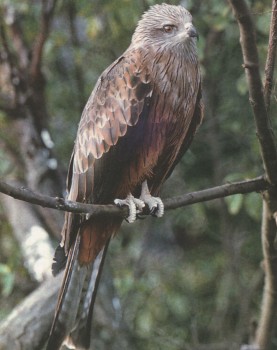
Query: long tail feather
72, 320
81, 334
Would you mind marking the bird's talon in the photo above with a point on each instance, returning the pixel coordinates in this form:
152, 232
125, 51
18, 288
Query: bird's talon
139, 204
135, 206
155, 204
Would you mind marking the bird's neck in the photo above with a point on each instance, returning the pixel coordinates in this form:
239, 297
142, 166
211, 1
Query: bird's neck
173, 61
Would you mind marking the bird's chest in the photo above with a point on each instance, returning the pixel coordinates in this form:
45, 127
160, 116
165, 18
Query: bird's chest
175, 90
163, 128
173, 101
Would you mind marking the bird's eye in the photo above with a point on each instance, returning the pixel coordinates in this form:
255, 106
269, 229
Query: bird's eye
168, 28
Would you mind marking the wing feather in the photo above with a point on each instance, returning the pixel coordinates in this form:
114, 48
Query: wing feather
115, 104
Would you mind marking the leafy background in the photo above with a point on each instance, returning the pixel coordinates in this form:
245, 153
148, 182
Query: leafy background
194, 277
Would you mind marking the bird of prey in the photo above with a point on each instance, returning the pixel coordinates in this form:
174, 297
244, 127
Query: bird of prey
138, 122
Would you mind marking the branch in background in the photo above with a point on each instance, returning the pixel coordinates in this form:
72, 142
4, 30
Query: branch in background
271, 55
268, 319
260, 102
256, 97
25, 194
47, 13
27, 327
16, 34
76, 44
267, 322
13, 73
5, 46
33, 240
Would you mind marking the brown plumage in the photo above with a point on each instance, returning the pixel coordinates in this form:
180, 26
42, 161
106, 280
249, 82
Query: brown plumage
138, 122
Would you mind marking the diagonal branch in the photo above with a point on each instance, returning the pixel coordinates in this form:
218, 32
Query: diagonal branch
256, 97
271, 55
25, 194
254, 185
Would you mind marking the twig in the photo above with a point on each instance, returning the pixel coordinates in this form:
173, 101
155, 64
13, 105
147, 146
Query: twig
271, 55
25, 194
256, 97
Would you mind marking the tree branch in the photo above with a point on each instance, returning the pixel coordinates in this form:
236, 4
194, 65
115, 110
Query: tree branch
13, 72
12, 20
75, 42
256, 97
268, 318
48, 7
25, 194
28, 325
58, 203
255, 185
34, 241
271, 55
260, 102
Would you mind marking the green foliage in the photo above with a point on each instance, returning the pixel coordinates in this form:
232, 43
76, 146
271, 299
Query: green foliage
6, 280
14, 281
184, 285
234, 203
192, 277
5, 164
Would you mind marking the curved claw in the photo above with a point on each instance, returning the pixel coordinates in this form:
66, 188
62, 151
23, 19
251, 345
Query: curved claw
135, 206
155, 204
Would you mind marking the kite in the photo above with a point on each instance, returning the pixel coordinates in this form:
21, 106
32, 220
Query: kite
138, 122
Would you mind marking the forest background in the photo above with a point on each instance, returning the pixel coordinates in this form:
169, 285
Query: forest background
191, 280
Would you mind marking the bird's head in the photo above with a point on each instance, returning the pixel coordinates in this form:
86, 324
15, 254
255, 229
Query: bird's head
165, 26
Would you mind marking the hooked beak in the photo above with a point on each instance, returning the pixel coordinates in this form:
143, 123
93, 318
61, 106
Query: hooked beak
192, 32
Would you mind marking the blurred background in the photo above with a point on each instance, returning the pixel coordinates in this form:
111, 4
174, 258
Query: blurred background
191, 280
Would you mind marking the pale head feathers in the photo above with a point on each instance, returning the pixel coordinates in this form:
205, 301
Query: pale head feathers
165, 25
